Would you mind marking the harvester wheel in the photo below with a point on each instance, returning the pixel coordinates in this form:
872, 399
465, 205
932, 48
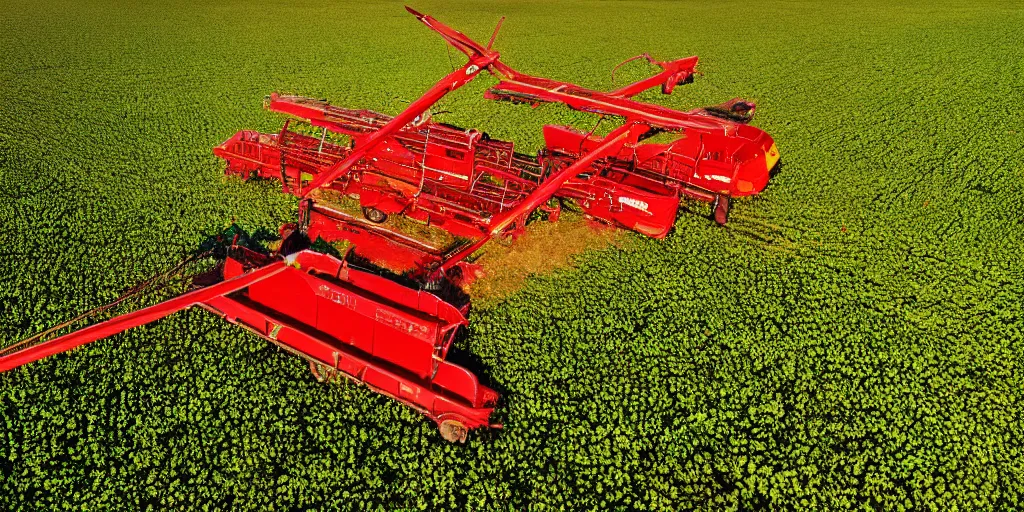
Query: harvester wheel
320, 372
374, 215
453, 431
720, 210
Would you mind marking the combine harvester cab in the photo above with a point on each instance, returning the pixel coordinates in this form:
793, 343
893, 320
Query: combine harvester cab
387, 314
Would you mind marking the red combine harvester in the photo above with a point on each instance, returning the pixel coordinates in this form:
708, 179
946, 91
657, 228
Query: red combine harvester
386, 313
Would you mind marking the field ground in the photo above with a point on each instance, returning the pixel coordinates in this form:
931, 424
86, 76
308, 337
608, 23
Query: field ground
853, 339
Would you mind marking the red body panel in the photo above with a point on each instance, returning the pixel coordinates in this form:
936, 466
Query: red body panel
373, 330
390, 337
380, 246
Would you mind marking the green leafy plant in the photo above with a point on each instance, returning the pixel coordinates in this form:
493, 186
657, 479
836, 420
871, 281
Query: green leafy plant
852, 339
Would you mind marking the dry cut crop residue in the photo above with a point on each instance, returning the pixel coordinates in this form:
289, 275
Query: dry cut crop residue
544, 247
505, 264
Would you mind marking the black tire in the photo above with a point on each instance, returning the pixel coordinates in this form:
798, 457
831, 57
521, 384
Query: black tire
374, 215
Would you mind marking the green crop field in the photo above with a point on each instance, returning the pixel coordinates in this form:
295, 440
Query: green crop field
853, 338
